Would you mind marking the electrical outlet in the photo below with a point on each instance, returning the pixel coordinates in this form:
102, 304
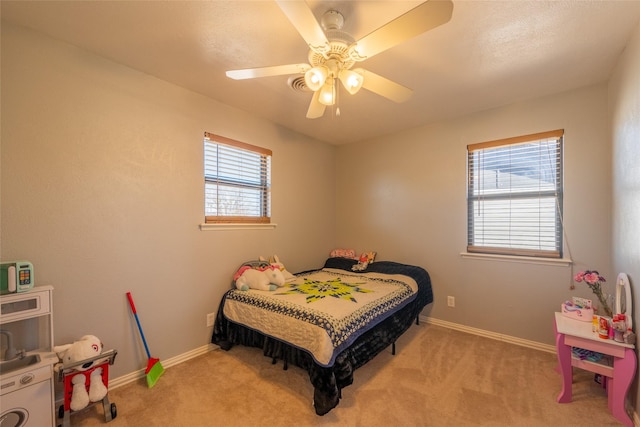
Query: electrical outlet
211, 317
451, 301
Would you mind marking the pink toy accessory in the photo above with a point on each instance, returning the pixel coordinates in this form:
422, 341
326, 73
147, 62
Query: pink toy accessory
578, 309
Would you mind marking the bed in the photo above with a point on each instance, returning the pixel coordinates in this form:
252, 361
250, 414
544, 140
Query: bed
329, 321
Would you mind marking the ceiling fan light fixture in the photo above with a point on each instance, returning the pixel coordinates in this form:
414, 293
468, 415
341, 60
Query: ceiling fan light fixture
351, 80
333, 52
328, 93
316, 77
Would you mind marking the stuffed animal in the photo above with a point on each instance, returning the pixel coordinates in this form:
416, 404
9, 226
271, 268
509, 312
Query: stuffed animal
275, 276
267, 279
365, 259
79, 396
87, 347
275, 262
97, 389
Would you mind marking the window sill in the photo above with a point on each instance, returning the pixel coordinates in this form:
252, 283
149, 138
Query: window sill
236, 226
558, 262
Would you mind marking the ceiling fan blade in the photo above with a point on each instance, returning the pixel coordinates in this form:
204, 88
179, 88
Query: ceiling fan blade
278, 70
384, 87
306, 23
316, 109
428, 15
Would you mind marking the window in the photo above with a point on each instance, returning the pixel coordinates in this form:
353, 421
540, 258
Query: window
237, 181
514, 196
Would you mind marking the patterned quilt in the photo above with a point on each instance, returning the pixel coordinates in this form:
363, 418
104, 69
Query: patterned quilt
322, 311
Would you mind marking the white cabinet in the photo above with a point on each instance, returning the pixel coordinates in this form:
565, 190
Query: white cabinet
25, 305
27, 381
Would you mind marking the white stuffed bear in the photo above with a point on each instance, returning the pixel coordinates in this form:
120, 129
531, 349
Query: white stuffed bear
87, 347
266, 280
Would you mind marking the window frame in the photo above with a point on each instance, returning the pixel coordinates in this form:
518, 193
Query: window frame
557, 193
264, 186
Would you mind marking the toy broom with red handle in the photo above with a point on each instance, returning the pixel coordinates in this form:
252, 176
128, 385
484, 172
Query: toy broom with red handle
154, 367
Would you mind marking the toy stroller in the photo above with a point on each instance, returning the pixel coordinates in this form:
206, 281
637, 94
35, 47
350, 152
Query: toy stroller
67, 374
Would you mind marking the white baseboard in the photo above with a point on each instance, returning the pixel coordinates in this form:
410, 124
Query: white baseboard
493, 335
133, 376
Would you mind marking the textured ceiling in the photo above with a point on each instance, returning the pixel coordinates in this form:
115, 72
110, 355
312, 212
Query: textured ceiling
491, 53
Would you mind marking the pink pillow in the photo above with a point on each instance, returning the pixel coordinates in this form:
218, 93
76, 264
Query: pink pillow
344, 253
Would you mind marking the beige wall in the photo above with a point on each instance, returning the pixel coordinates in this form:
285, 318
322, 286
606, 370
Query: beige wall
407, 200
102, 189
624, 104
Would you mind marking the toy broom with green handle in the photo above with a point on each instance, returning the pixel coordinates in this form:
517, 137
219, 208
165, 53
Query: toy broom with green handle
154, 367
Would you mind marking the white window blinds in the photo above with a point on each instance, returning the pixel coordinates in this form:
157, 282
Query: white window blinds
237, 181
514, 196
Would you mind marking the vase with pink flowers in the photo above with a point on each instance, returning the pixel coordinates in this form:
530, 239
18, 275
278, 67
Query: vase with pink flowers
593, 279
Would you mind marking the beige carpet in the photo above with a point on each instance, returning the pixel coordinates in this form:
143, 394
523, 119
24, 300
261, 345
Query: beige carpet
438, 377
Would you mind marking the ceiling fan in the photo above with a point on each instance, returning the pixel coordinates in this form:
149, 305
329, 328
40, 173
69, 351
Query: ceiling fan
334, 52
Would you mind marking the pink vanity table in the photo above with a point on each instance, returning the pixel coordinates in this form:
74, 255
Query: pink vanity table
575, 333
